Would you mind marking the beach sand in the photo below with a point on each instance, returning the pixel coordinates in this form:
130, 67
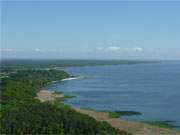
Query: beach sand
45, 95
136, 128
71, 78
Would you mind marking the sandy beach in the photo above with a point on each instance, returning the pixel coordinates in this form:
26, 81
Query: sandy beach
45, 95
71, 78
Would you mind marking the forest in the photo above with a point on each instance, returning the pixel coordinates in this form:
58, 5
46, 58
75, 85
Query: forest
21, 113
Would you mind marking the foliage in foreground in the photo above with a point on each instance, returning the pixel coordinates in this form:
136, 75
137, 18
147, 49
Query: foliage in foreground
45, 118
20, 88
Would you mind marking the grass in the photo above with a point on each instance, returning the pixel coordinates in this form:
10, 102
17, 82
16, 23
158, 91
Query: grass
117, 114
64, 98
90, 109
162, 124
58, 92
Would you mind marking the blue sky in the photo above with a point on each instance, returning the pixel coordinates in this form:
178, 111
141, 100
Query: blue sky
91, 30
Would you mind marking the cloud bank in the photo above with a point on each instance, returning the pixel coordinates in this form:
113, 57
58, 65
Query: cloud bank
116, 49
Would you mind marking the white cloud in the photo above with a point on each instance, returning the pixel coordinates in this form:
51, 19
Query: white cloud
119, 49
10, 50
108, 49
37, 50
113, 48
138, 49
6, 50
100, 48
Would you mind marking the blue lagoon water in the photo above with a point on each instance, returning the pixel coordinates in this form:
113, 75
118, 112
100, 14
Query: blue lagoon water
152, 89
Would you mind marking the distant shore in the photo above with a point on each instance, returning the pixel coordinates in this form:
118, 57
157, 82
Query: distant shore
136, 128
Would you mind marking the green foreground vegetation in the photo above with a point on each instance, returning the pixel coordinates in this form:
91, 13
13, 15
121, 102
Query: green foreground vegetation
21, 113
20, 88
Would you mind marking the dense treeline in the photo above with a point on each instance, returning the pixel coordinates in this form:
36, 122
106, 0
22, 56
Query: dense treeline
21, 87
45, 118
21, 113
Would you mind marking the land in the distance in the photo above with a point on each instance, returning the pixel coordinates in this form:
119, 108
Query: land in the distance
20, 64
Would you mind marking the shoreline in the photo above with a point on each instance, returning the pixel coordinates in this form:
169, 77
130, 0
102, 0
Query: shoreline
72, 78
66, 79
134, 127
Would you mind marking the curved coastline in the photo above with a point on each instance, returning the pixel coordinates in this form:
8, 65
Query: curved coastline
134, 127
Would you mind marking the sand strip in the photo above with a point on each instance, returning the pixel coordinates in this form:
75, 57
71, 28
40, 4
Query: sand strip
72, 78
45, 95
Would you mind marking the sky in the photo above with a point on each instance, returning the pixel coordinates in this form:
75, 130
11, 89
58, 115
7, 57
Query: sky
90, 30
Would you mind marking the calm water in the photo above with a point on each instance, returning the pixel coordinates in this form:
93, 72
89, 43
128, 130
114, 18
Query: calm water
152, 89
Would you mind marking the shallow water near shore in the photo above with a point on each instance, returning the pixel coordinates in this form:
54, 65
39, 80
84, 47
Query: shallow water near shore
152, 89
